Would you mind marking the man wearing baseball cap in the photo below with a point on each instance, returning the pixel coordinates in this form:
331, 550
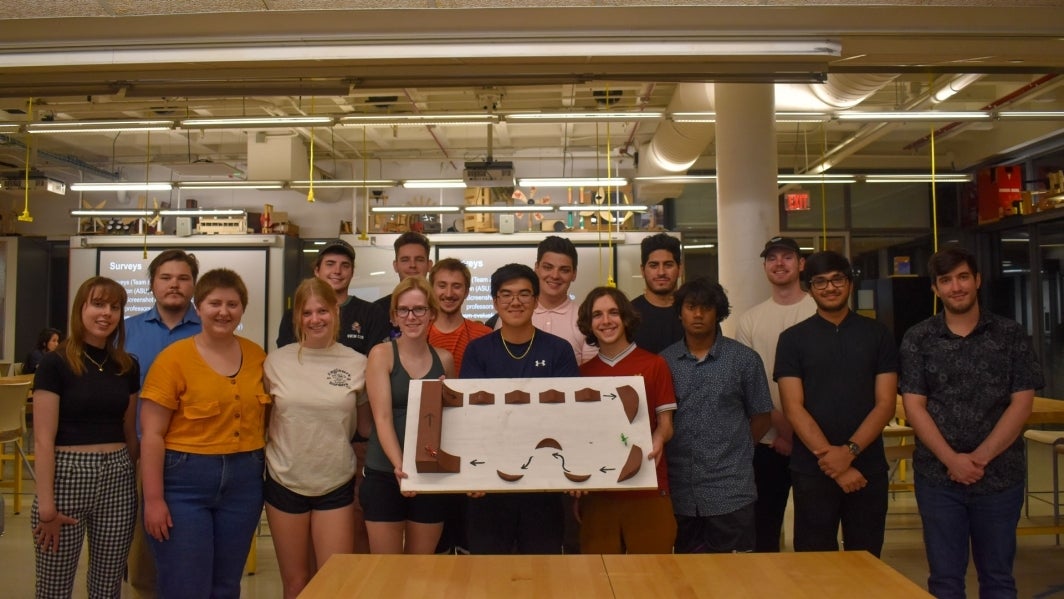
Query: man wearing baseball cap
362, 325
759, 329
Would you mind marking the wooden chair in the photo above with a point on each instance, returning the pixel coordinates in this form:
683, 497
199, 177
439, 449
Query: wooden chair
899, 453
16, 369
13, 430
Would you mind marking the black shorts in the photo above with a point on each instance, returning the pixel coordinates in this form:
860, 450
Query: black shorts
382, 502
290, 502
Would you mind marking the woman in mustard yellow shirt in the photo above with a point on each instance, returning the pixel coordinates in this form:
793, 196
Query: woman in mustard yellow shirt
202, 426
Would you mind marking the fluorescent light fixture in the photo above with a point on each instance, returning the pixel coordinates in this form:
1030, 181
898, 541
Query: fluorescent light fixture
258, 122
231, 185
343, 183
418, 119
204, 212
363, 48
693, 117
675, 179
573, 182
919, 178
802, 117
124, 186
1034, 115
814, 179
699, 246
434, 184
781, 117
414, 209
99, 126
508, 208
903, 115
584, 117
10, 127
111, 213
603, 208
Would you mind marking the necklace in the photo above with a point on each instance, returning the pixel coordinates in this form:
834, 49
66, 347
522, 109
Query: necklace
527, 349
99, 365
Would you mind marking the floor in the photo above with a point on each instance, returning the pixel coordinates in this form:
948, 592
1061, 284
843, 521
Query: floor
1039, 564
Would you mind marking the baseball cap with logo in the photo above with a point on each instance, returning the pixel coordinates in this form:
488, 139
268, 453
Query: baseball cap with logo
781, 242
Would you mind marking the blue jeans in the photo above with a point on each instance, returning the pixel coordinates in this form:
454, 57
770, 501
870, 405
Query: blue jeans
215, 502
954, 516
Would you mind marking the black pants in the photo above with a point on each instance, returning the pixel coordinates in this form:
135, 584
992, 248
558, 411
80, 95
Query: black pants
502, 523
723, 533
772, 473
820, 505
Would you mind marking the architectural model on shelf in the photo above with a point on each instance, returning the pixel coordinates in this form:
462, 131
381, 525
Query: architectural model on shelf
546, 434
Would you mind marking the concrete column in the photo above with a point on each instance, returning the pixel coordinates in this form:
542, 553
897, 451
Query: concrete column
747, 201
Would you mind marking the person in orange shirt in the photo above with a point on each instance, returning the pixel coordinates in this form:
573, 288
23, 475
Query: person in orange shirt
203, 432
450, 280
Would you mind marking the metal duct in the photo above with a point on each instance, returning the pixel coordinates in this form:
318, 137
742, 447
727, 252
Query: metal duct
676, 146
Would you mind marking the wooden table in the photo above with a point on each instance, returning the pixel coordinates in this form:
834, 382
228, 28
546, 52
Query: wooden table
752, 575
1044, 411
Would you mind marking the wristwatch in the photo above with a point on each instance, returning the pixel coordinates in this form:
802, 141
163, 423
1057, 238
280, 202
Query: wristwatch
854, 448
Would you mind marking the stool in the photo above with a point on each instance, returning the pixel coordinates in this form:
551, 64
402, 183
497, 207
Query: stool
1055, 440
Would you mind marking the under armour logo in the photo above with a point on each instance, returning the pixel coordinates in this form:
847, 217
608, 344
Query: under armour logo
541, 363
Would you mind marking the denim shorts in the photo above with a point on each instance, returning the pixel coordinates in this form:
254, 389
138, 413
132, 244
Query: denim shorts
290, 502
382, 502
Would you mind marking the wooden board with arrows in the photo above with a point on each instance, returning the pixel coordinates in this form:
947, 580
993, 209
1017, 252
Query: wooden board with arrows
550, 434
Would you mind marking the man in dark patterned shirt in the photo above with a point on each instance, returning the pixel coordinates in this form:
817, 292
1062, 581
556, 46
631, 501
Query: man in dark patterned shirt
722, 408
968, 379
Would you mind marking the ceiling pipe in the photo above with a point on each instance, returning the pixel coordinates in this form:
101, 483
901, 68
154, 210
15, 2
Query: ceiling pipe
873, 131
431, 129
676, 146
955, 127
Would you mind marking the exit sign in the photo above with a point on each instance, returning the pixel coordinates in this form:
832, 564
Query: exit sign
797, 201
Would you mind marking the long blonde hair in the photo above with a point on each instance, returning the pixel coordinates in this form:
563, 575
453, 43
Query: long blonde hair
106, 290
310, 288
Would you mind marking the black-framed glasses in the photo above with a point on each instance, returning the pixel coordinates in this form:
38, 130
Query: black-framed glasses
820, 283
417, 311
524, 296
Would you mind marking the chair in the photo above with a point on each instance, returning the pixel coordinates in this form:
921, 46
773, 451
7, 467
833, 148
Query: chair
5, 368
16, 369
898, 453
1055, 441
13, 430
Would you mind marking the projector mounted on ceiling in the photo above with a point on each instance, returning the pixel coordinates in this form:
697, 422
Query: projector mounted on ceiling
489, 174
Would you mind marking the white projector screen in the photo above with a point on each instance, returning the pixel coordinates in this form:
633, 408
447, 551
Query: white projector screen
130, 269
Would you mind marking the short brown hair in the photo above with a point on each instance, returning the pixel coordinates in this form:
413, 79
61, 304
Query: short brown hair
453, 265
221, 278
173, 256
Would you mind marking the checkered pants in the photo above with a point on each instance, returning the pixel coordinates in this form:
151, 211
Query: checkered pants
98, 490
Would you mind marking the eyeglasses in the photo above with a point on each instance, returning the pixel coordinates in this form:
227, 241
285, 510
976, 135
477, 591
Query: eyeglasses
820, 283
417, 311
507, 296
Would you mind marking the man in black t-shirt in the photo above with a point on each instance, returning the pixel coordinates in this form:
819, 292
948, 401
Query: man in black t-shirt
837, 373
660, 261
